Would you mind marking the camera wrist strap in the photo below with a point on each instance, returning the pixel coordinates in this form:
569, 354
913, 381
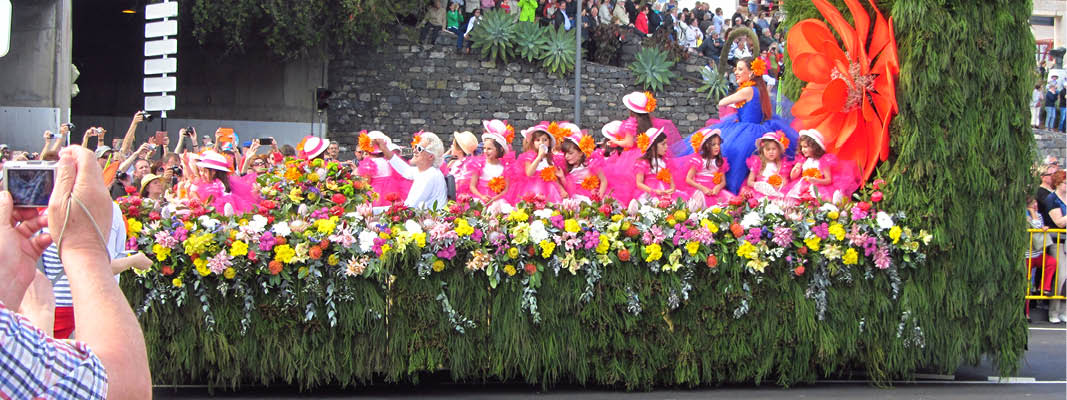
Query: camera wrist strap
66, 219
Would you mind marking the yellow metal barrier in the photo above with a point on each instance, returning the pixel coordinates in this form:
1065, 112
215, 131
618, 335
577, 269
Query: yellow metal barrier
1045, 240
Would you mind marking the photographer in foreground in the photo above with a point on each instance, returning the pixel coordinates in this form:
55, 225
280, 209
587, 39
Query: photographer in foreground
109, 359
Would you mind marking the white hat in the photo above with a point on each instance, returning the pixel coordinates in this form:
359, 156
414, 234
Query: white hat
374, 135
611, 130
640, 102
814, 135
651, 134
430, 143
777, 136
701, 136
466, 141
542, 127
213, 160
313, 146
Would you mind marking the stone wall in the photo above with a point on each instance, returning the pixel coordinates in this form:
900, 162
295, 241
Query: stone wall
1050, 143
401, 89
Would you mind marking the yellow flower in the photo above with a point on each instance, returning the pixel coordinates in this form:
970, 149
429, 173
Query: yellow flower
851, 257
438, 266
604, 245
616, 218
188, 226
710, 226
326, 226
674, 261
757, 265
201, 267
284, 253
747, 250
813, 242
134, 226
838, 231
833, 215
177, 282
313, 177
692, 248
925, 236
913, 246
572, 226
239, 249
420, 239
894, 233
463, 228
333, 260
161, 252
680, 215
521, 233
385, 249
229, 273
519, 215
653, 252
384, 236
295, 195
831, 252
510, 270
670, 221
716, 210
312, 196
547, 247
513, 252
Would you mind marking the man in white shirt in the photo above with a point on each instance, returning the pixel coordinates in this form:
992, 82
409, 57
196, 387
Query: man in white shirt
428, 188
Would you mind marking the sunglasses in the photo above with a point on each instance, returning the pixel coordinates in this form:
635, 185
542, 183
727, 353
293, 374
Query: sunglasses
258, 164
417, 149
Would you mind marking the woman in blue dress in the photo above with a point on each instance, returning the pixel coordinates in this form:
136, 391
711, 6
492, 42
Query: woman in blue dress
753, 118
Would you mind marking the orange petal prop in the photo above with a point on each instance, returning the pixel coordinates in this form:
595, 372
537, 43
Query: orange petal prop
851, 92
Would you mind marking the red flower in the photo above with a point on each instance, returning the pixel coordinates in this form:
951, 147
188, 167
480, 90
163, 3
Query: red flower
530, 268
275, 267
154, 216
876, 197
737, 201
392, 197
167, 270
337, 211
268, 204
632, 231
799, 270
605, 209
752, 203
863, 205
803, 250
131, 189
878, 184
251, 255
324, 243
737, 230
338, 198
712, 261
315, 252
624, 255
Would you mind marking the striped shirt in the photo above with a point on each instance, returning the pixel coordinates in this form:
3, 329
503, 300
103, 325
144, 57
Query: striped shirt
33, 365
53, 267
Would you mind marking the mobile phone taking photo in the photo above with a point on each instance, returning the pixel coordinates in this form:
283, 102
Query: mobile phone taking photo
266, 141
30, 183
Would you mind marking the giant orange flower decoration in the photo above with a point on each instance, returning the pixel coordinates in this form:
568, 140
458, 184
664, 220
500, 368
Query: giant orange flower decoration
851, 93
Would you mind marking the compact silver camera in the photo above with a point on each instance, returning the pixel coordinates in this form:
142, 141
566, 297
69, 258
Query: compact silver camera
30, 182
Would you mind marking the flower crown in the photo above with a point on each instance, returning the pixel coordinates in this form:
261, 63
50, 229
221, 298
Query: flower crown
650, 102
365, 144
759, 67
587, 145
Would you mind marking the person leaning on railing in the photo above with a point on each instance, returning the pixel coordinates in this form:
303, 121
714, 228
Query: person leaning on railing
1056, 202
1035, 256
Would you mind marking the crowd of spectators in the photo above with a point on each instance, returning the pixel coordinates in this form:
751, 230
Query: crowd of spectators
1048, 102
1047, 256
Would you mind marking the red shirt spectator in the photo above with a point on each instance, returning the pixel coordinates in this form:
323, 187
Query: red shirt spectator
642, 21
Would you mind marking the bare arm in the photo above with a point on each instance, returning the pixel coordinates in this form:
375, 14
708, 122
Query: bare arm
744, 94
1058, 217
127, 141
603, 184
138, 261
47, 143
640, 176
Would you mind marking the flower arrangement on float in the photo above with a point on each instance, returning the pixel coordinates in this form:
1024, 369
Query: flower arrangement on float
320, 228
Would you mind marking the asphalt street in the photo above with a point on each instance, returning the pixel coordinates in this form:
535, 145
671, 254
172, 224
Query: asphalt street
1042, 375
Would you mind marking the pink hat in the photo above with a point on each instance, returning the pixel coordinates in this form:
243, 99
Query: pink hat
213, 160
645, 140
314, 146
586, 144
701, 136
542, 127
499, 131
777, 136
611, 130
814, 135
641, 103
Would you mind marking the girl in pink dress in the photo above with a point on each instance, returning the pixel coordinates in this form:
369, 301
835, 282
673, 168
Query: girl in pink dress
820, 175
654, 172
584, 168
534, 175
766, 177
488, 182
464, 144
706, 169
229, 196
390, 186
620, 155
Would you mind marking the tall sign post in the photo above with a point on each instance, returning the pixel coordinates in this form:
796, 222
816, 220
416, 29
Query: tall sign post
578, 69
160, 63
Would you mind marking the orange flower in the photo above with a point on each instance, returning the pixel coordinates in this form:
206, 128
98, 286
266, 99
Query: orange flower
587, 145
415, 139
275, 267
759, 67
650, 102
716, 178
748, 83
292, 174
365, 143
548, 174
558, 133
498, 184
664, 176
812, 173
509, 133
591, 183
315, 252
695, 141
851, 92
775, 180
782, 139
643, 142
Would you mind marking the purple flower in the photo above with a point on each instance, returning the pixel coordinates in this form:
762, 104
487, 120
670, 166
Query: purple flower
181, 234
870, 246
447, 252
858, 213
821, 230
477, 235
783, 236
591, 239
131, 243
557, 221
267, 241
754, 235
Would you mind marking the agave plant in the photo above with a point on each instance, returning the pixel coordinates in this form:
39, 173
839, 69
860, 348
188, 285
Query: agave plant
652, 69
558, 51
530, 39
716, 83
495, 35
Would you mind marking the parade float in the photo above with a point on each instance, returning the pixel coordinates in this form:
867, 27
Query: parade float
915, 272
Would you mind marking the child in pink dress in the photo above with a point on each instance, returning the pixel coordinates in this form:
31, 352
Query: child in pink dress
390, 186
620, 155
766, 170
488, 182
584, 168
654, 173
229, 196
817, 174
534, 174
706, 169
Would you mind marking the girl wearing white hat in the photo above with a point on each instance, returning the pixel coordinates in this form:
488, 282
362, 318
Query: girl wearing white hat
705, 172
535, 175
766, 177
464, 144
388, 184
654, 173
229, 196
817, 174
487, 181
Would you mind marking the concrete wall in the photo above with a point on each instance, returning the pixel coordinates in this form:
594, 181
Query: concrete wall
35, 74
408, 88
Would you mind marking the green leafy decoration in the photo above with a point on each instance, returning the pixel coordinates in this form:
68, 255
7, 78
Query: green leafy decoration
558, 51
495, 36
530, 39
652, 69
716, 84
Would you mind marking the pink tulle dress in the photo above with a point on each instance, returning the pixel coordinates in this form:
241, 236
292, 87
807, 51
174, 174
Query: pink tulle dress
573, 180
705, 175
460, 171
389, 184
241, 198
674, 139
618, 170
521, 186
843, 179
653, 181
763, 187
486, 172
